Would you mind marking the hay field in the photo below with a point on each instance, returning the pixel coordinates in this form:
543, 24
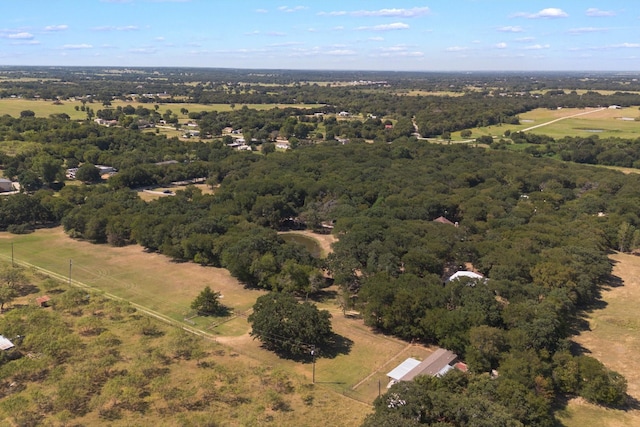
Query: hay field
13, 107
613, 338
148, 279
605, 123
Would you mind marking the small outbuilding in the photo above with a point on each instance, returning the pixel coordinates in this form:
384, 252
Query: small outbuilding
468, 274
43, 301
5, 185
5, 344
437, 364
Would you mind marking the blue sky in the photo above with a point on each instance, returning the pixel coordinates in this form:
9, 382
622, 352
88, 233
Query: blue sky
442, 35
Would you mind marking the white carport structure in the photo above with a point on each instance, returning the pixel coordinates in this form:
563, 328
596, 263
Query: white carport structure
401, 370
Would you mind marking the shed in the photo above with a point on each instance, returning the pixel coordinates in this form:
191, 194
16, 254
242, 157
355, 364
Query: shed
43, 301
399, 372
443, 220
5, 344
463, 273
437, 364
6, 185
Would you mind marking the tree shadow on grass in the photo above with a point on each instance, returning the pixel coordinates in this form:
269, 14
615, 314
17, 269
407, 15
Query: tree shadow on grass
323, 295
336, 345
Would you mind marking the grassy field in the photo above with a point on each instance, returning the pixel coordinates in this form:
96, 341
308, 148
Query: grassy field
144, 378
151, 280
165, 287
605, 123
13, 107
613, 338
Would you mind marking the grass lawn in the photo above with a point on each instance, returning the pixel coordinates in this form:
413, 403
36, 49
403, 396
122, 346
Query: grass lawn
613, 338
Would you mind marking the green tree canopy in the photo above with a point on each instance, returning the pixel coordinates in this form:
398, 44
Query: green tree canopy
208, 303
288, 327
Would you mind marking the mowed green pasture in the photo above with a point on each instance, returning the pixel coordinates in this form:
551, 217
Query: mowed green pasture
606, 123
613, 337
13, 107
150, 280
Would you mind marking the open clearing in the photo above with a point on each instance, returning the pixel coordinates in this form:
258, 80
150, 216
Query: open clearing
605, 123
148, 279
613, 338
155, 282
13, 107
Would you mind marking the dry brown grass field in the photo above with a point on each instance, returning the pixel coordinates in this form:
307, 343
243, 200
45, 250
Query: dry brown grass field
613, 338
155, 283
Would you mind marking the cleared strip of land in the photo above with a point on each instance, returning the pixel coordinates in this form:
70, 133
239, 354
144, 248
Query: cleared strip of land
614, 339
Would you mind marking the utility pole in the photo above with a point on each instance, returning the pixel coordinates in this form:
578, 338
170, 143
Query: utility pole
70, 263
313, 363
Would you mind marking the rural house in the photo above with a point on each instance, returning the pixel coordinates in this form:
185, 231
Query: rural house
5, 185
437, 364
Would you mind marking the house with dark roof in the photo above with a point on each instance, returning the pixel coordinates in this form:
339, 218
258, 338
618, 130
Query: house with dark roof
437, 364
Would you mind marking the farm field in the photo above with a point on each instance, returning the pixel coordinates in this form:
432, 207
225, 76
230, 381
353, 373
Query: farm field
613, 338
606, 123
13, 107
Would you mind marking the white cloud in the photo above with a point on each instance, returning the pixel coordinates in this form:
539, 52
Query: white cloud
376, 39
24, 42
550, 12
386, 27
456, 49
288, 9
286, 44
144, 50
20, 36
627, 45
510, 29
586, 30
77, 46
275, 34
159, 39
384, 13
261, 11
402, 13
338, 28
525, 39
56, 27
595, 12
341, 52
112, 28
501, 45
538, 47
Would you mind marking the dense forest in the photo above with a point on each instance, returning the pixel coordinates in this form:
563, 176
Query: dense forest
538, 229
